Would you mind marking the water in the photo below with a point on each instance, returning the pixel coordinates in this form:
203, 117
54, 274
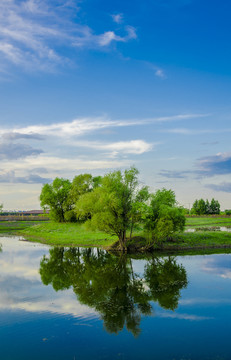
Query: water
210, 228
58, 303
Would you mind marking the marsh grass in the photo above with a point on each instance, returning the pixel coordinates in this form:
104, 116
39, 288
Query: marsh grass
207, 221
12, 227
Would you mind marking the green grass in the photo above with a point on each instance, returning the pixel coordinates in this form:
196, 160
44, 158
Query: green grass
202, 238
68, 234
207, 221
12, 227
198, 242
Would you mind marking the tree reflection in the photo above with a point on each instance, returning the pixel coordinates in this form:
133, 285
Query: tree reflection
108, 284
165, 279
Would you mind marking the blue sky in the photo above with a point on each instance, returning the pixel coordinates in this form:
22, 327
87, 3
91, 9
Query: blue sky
91, 86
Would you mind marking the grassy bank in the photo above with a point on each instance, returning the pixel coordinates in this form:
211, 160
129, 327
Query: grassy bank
200, 240
76, 235
207, 221
68, 234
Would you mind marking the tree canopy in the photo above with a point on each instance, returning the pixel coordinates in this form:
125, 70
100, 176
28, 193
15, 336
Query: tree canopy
55, 198
115, 203
112, 205
163, 216
202, 207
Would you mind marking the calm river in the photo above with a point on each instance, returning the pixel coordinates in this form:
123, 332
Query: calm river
74, 304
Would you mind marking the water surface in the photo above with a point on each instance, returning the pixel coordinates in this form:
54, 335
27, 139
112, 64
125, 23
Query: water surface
70, 303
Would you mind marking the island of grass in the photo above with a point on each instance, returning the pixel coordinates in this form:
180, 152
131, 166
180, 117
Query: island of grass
74, 234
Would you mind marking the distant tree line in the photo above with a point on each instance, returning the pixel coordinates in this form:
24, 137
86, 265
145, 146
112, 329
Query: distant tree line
204, 207
115, 203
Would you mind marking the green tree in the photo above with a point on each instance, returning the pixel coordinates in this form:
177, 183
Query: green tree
214, 207
111, 205
1, 208
55, 198
80, 185
163, 216
201, 207
207, 207
195, 210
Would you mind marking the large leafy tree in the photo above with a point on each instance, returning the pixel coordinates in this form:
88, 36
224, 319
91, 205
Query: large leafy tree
55, 198
80, 185
163, 216
111, 205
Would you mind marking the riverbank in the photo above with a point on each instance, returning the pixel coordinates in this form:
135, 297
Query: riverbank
71, 234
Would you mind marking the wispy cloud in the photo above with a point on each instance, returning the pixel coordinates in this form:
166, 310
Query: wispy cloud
128, 147
81, 126
110, 36
61, 165
185, 131
159, 72
219, 164
175, 174
117, 18
13, 151
210, 143
74, 153
224, 186
32, 31
10, 177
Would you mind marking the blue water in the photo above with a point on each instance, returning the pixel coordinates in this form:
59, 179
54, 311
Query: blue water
90, 305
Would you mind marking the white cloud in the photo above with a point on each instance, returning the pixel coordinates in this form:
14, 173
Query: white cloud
31, 32
64, 165
157, 70
81, 126
128, 147
117, 18
160, 73
106, 38
184, 131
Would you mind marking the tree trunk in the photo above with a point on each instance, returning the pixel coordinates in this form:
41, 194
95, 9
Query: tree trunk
122, 241
131, 230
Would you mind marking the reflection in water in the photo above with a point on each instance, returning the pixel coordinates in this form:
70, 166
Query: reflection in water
108, 284
165, 279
